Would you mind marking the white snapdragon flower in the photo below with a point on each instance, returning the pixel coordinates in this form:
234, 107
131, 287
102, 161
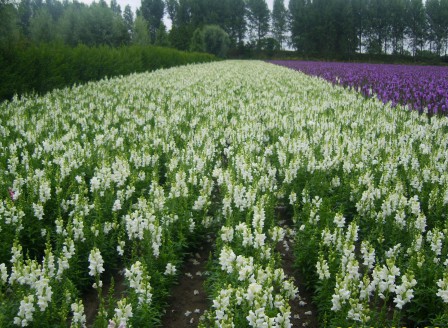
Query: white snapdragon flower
368, 254
120, 247
335, 182
139, 281
420, 223
226, 259
227, 234
79, 318
258, 318
277, 234
95, 184
123, 312
26, 310
95, 262
339, 220
44, 191
404, 291
259, 240
292, 198
117, 205
322, 269
357, 312
44, 292
252, 291
436, 237
200, 203
442, 292
38, 211
170, 269
342, 293
4, 273
327, 237
78, 228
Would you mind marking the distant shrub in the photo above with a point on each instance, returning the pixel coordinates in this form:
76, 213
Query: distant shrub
211, 39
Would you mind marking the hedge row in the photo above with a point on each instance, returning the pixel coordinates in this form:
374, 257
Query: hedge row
41, 68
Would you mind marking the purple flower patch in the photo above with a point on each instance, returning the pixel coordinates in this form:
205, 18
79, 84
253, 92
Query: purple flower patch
420, 87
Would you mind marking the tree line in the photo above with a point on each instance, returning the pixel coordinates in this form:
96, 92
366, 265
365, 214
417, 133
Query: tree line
369, 26
312, 27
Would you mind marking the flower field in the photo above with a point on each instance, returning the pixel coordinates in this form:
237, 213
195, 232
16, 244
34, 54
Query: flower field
120, 177
424, 88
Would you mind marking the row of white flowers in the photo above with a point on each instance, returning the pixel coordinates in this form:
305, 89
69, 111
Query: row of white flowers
252, 290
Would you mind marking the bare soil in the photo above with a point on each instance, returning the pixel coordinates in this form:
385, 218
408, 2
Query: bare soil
303, 311
188, 299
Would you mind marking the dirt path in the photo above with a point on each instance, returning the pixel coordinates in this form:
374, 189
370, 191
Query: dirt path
188, 300
303, 311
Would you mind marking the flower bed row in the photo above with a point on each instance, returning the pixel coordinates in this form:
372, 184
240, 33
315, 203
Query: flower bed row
122, 175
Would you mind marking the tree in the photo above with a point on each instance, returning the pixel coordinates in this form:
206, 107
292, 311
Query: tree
342, 28
360, 21
153, 11
236, 23
128, 18
398, 24
211, 39
258, 17
116, 9
216, 40
55, 8
378, 26
299, 18
172, 8
9, 31
436, 17
416, 27
25, 13
42, 27
444, 10
279, 21
197, 41
141, 31
105, 27
73, 25
162, 38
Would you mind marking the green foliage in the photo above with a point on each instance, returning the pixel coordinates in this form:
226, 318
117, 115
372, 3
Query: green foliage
211, 39
153, 11
128, 17
140, 35
258, 17
162, 38
42, 27
197, 41
279, 21
42, 68
9, 32
216, 40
